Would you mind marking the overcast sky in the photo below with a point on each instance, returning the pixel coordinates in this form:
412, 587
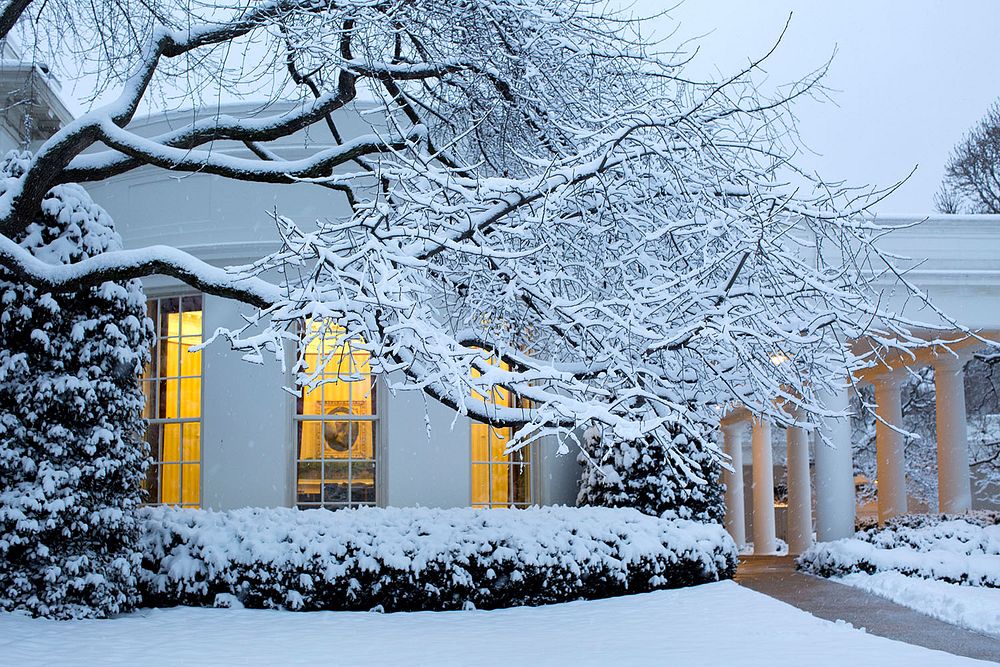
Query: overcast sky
909, 77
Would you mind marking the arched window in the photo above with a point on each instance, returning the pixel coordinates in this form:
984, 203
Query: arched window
172, 386
337, 427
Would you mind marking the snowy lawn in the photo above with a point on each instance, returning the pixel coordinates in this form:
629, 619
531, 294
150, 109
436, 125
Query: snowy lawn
713, 624
972, 607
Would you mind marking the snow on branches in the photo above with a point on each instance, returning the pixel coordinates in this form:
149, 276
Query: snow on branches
539, 185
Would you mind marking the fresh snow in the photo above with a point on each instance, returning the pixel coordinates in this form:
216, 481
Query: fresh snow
956, 550
714, 624
780, 548
972, 607
401, 558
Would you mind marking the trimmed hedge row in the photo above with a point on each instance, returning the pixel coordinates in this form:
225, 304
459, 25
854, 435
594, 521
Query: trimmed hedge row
962, 549
420, 559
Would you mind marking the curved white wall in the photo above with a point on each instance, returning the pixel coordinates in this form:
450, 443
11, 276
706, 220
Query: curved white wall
248, 453
248, 448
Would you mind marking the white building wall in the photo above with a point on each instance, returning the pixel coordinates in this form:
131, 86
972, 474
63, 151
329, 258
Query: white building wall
247, 423
427, 455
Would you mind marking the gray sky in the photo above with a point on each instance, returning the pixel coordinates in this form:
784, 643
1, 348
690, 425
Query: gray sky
909, 77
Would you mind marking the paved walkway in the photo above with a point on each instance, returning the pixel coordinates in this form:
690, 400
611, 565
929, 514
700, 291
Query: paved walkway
776, 576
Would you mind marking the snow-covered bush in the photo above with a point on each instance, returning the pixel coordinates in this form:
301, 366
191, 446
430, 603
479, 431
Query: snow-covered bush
71, 454
678, 479
399, 559
961, 549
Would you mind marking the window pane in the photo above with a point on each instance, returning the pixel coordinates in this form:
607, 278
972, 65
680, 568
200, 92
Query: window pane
191, 487
336, 481
149, 392
500, 484
519, 456
171, 450
160, 354
153, 438
190, 361
520, 484
498, 443
170, 483
336, 396
190, 403
168, 310
311, 440
169, 395
152, 483
480, 484
310, 476
362, 440
191, 319
363, 482
480, 442
363, 396
172, 357
312, 401
192, 441
337, 437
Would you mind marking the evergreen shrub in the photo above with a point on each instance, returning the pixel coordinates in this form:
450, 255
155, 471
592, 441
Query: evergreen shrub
71, 450
682, 481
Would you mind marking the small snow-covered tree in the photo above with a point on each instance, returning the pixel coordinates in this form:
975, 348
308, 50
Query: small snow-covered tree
681, 480
71, 449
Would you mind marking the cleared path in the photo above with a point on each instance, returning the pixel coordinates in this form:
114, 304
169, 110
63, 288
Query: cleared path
776, 576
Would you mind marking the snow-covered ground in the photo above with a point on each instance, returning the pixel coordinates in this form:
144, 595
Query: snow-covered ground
713, 624
972, 607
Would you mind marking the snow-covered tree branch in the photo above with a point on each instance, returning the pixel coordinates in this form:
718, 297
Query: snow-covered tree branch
539, 184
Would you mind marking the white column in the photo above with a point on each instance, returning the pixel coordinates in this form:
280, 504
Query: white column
954, 490
835, 502
889, 447
732, 439
764, 540
799, 515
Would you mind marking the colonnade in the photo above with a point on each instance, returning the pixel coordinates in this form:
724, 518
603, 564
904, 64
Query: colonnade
833, 466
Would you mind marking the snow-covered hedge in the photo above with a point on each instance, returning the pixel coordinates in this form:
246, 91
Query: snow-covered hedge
416, 558
961, 549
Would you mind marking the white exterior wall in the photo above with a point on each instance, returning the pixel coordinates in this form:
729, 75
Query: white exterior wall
248, 429
430, 467
247, 453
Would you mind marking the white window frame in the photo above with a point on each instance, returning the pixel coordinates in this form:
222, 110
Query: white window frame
155, 450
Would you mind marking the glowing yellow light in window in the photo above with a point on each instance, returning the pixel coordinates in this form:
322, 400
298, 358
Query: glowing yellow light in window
337, 429
177, 474
498, 479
